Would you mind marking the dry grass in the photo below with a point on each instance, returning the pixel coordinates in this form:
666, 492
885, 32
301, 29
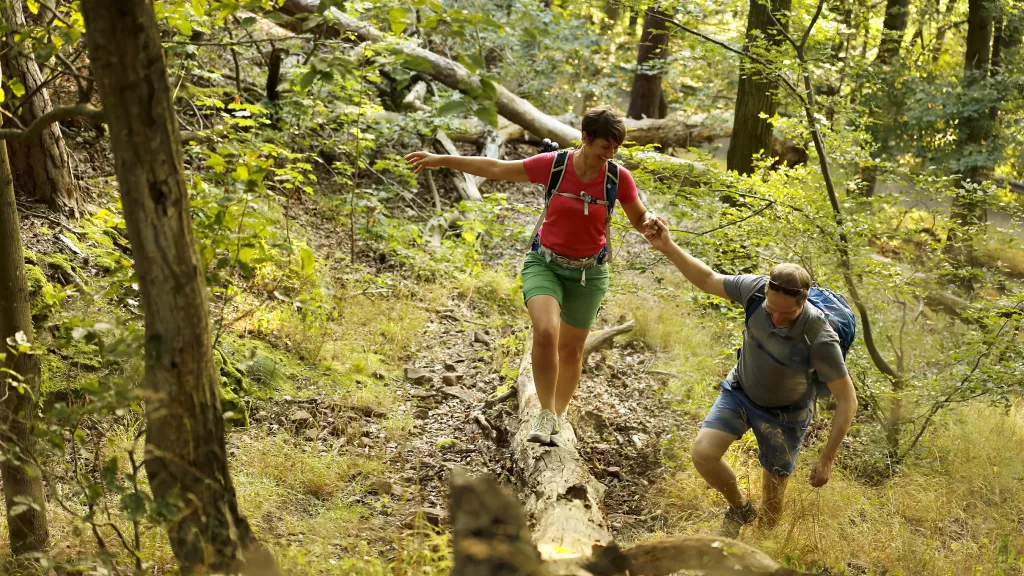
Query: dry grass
958, 510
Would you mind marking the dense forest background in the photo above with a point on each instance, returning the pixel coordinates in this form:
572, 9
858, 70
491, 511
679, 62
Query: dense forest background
239, 334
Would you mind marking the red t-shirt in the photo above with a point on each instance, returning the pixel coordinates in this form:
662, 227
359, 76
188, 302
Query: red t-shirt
566, 229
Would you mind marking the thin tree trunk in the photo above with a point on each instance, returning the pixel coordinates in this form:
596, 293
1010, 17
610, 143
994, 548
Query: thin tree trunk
894, 27
21, 478
41, 166
974, 130
645, 99
756, 95
186, 460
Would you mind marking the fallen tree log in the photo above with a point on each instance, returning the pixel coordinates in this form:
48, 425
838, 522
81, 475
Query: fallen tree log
604, 339
457, 77
561, 495
464, 183
491, 538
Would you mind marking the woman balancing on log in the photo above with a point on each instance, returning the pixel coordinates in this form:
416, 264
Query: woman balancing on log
565, 275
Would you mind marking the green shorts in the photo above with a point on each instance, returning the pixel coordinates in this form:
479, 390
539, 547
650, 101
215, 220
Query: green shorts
579, 303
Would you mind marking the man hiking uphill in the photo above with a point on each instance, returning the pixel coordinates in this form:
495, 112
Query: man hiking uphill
789, 347
565, 275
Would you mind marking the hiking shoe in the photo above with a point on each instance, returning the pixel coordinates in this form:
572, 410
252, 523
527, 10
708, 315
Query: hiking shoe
544, 425
736, 518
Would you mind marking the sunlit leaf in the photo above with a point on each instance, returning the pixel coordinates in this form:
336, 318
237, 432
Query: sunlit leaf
453, 107
398, 19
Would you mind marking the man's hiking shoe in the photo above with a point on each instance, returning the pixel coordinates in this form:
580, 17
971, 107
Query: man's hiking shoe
545, 425
736, 518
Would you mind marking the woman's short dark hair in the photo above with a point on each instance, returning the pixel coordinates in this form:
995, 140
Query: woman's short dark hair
604, 122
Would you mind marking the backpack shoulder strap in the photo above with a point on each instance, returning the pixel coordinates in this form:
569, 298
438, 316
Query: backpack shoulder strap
611, 190
554, 180
557, 173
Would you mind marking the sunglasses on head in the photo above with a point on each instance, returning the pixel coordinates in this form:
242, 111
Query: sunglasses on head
793, 292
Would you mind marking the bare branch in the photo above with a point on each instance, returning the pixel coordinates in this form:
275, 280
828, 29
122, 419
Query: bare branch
57, 114
742, 53
810, 25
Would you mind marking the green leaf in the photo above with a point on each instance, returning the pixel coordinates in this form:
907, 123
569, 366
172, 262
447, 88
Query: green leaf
399, 20
307, 260
33, 6
453, 107
489, 89
18, 509
45, 52
488, 115
241, 173
418, 63
435, 5
307, 80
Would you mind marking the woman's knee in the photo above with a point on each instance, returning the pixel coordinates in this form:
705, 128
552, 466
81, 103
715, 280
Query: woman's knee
571, 353
545, 336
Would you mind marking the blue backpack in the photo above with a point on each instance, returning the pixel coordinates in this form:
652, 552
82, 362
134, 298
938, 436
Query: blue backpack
611, 189
835, 311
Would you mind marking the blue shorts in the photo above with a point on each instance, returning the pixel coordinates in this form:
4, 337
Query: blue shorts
779, 432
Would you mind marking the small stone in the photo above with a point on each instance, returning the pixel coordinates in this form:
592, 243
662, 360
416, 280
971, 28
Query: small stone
422, 413
312, 434
471, 396
380, 486
432, 516
480, 337
300, 416
614, 471
365, 442
418, 375
602, 447
452, 379
451, 367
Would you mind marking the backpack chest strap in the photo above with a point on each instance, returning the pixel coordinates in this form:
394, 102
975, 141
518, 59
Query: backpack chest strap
587, 200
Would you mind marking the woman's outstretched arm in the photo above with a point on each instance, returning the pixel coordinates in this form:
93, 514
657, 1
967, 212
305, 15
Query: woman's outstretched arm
490, 168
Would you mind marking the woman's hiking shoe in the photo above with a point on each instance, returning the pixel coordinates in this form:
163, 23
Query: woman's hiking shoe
545, 425
736, 518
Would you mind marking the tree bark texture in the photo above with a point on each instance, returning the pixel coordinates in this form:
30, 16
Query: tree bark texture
186, 460
756, 94
645, 99
21, 477
894, 27
974, 130
41, 166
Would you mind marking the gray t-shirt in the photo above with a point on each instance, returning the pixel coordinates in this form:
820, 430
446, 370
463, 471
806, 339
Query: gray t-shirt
765, 381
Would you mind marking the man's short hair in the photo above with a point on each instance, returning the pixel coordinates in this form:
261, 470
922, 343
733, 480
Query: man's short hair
790, 279
604, 122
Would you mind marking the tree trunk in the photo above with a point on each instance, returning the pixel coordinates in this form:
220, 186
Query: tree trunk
975, 129
645, 100
41, 166
186, 460
756, 95
894, 27
21, 477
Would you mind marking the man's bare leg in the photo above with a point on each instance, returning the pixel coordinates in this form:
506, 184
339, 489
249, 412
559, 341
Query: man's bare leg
774, 492
571, 341
544, 314
708, 450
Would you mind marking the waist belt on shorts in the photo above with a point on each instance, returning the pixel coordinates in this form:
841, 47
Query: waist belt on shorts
574, 263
